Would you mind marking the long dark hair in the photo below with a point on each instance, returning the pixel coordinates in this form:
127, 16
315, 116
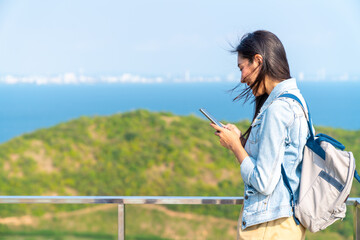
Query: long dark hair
273, 65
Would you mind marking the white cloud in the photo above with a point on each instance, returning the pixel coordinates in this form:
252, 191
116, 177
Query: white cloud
230, 77
10, 80
70, 78
301, 76
344, 77
321, 74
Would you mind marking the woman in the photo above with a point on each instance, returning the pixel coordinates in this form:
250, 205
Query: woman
277, 135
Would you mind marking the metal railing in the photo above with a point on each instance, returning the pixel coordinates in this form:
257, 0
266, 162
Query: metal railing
122, 201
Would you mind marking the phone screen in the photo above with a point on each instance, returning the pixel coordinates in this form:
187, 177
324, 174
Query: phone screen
211, 118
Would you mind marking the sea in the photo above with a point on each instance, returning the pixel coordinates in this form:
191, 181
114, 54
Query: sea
26, 108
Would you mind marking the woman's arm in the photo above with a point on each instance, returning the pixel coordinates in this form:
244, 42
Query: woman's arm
264, 172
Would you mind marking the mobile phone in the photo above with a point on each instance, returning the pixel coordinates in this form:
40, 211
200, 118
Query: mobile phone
211, 118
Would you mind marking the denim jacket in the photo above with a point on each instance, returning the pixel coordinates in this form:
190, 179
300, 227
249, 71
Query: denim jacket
278, 136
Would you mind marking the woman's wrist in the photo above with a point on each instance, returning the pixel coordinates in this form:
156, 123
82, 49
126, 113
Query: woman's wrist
239, 152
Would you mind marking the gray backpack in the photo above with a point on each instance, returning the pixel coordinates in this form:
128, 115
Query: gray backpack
326, 178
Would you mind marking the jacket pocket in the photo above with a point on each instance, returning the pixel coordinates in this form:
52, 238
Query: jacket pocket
251, 199
255, 130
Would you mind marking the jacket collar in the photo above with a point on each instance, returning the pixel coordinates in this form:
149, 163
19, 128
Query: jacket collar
280, 88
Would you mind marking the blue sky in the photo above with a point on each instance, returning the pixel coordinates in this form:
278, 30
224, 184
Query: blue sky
170, 37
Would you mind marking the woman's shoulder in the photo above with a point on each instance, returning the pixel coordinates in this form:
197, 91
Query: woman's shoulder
280, 105
282, 110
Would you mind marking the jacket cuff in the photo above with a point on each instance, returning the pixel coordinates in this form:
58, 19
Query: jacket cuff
246, 168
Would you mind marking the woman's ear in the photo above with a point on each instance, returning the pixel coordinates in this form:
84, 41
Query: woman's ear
258, 59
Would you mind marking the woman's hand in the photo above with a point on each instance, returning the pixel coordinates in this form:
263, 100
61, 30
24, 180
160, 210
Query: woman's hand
232, 127
229, 136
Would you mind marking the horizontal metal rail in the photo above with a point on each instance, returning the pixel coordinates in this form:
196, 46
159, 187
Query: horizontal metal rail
124, 200
121, 200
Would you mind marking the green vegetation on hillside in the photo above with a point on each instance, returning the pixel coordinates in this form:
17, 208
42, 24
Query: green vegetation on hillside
135, 153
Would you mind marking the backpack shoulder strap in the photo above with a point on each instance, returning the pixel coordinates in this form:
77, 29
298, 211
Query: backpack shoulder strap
356, 175
292, 198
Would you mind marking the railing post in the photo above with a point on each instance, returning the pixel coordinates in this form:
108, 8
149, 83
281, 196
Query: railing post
356, 221
121, 222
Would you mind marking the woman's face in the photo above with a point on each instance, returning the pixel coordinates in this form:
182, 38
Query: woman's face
249, 72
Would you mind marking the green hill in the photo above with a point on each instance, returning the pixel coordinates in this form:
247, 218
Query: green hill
135, 153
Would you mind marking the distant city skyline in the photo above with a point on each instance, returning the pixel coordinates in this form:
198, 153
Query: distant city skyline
80, 78
74, 42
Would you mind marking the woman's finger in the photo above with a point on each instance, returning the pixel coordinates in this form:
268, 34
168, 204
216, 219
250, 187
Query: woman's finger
216, 127
222, 143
